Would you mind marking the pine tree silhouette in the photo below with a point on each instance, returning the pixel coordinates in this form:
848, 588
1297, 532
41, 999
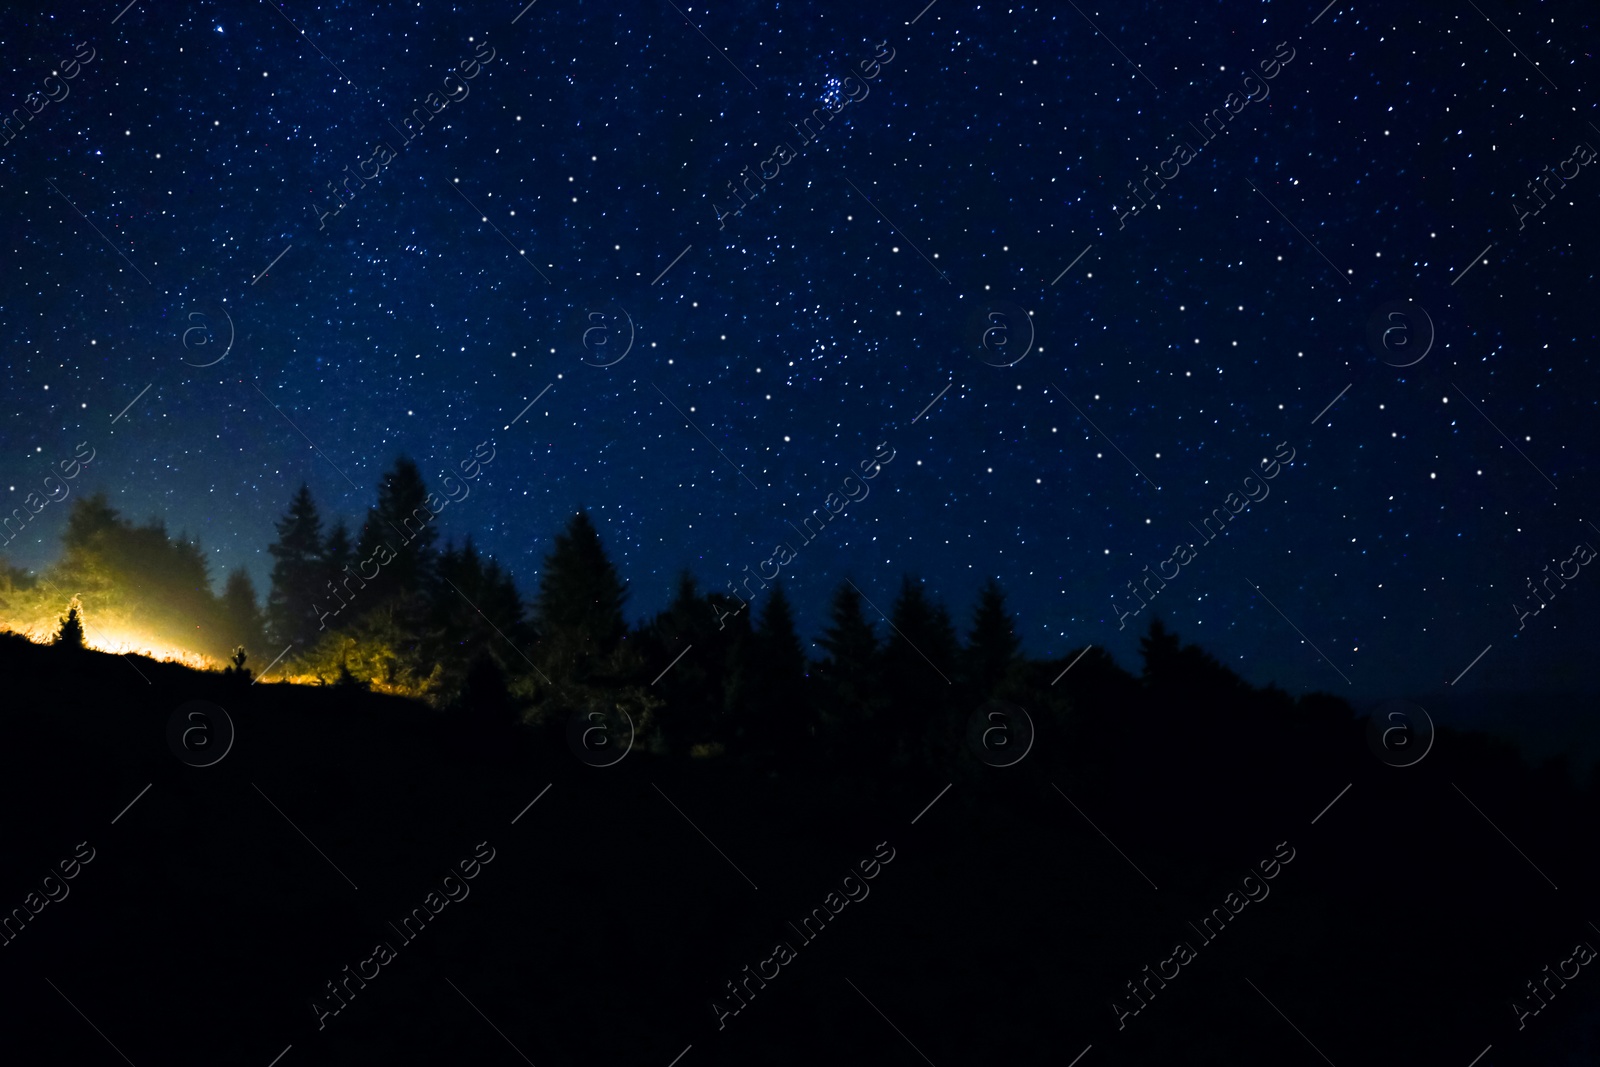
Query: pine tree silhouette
579, 606
1171, 665
919, 658
739, 680
71, 633
242, 620
1159, 649
993, 644
692, 689
297, 583
401, 521
850, 677
782, 691
398, 538
338, 567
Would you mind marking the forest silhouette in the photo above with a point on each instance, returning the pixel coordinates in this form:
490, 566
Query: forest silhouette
386, 607
1020, 921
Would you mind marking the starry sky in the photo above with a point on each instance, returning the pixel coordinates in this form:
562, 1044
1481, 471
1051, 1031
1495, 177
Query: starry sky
245, 248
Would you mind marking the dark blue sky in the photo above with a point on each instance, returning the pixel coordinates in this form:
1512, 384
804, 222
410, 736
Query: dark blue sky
582, 170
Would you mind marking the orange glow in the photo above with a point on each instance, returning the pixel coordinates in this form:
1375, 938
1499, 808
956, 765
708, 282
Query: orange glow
128, 642
124, 642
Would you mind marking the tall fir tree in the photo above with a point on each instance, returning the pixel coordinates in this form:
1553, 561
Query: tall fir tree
185, 574
500, 603
403, 523
919, 659
136, 577
341, 580
92, 518
475, 610
395, 570
780, 707
297, 574
1171, 665
243, 624
579, 606
1159, 648
740, 681
692, 689
89, 545
850, 674
993, 643
585, 665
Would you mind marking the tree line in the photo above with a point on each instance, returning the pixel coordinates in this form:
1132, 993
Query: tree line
386, 607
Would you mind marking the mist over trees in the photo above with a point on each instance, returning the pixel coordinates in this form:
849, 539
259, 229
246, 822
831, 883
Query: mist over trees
133, 585
388, 608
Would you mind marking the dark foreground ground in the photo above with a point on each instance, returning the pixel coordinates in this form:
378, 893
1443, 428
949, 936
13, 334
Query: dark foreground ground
1401, 924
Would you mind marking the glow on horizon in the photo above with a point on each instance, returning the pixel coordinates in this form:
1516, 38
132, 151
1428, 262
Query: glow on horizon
123, 642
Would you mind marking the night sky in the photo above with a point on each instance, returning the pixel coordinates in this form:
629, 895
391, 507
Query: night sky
177, 207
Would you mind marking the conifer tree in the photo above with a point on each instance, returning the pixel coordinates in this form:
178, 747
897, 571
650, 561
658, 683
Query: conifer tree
692, 689
89, 545
337, 555
740, 677
402, 521
500, 603
200, 611
585, 664
90, 521
780, 643
243, 624
71, 633
778, 711
579, 607
297, 575
1159, 648
475, 610
919, 659
131, 576
993, 643
850, 672
1171, 665
458, 574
